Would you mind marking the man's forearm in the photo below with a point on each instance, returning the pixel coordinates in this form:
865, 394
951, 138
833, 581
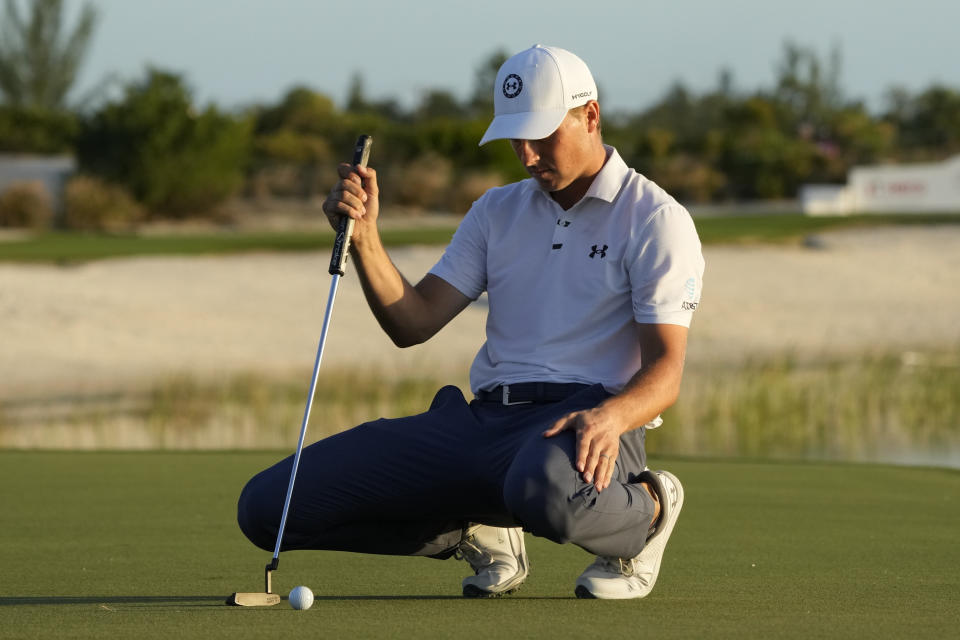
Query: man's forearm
392, 299
656, 385
648, 393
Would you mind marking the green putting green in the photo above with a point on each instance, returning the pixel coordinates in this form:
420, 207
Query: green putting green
145, 545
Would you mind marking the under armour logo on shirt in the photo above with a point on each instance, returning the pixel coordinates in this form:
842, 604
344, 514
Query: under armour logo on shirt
602, 251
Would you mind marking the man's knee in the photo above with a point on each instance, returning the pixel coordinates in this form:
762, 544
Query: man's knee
540, 491
258, 514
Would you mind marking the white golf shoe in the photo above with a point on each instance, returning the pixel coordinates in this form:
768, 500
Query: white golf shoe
622, 578
499, 560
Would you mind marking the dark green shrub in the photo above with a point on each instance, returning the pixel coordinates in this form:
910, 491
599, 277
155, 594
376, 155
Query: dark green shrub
174, 159
34, 130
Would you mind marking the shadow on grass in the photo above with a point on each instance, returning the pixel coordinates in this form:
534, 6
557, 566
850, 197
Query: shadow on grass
9, 601
28, 600
435, 597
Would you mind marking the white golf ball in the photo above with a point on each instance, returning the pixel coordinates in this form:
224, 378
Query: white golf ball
301, 598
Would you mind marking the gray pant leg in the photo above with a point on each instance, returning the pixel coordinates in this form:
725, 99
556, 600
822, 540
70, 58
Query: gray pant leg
545, 492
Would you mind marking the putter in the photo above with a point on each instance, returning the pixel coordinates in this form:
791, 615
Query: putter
338, 262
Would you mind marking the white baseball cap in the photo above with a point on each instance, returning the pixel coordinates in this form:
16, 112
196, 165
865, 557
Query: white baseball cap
534, 90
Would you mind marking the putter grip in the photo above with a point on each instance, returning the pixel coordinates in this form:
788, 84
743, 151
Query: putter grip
341, 245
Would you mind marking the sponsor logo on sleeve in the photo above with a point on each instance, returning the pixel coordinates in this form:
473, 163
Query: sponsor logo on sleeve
690, 295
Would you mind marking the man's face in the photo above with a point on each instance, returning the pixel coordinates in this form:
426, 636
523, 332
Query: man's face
556, 161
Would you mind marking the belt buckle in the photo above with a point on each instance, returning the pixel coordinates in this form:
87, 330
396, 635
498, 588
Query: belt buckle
505, 389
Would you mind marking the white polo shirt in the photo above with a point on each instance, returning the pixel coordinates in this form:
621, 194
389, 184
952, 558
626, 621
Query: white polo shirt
566, 287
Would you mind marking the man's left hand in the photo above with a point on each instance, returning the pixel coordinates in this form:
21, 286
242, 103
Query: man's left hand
598, 443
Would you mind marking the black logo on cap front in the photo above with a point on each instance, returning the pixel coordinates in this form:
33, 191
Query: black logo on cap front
512, 86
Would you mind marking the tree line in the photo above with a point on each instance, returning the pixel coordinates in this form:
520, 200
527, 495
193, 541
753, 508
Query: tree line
152, 151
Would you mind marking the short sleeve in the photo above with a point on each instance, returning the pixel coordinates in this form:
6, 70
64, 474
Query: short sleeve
666, 272
464, 261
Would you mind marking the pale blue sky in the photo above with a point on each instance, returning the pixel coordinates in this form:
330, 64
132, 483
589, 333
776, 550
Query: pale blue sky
237, 52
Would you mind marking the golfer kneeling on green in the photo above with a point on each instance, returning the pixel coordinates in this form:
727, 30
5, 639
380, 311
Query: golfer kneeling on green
592, 274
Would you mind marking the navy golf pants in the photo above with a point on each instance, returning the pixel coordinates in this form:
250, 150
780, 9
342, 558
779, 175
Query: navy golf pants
409, 486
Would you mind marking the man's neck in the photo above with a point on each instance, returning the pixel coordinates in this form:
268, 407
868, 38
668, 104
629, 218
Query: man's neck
574, 192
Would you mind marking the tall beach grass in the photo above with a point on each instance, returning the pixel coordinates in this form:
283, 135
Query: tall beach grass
242, 411
902, 407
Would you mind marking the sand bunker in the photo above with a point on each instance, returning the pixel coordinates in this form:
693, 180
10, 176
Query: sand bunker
117, 323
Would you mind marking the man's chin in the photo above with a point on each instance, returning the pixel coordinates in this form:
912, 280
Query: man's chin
547, 183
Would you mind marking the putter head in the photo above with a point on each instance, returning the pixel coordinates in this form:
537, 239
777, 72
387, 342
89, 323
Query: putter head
265, 599
253, 599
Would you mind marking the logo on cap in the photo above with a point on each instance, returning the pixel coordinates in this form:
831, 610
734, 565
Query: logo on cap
512, 86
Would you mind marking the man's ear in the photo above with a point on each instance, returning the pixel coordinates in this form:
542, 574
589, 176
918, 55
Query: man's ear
592, 113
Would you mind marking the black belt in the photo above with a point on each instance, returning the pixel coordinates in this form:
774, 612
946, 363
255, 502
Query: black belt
530, 392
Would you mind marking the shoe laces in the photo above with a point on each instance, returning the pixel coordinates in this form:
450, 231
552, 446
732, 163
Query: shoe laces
475, 556
624, 566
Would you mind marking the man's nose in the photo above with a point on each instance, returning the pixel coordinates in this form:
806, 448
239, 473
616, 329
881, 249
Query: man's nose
525, 152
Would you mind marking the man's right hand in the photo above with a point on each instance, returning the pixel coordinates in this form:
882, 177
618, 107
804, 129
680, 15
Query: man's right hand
357, 195
408, 314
